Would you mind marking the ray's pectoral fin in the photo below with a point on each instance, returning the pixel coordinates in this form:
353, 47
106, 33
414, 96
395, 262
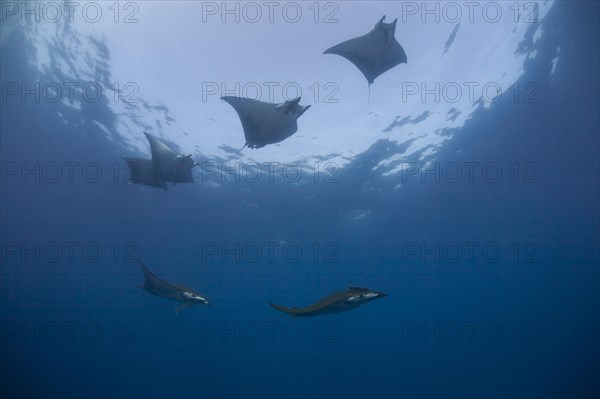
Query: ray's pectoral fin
291, 311
266, 123
184, 306
287, 106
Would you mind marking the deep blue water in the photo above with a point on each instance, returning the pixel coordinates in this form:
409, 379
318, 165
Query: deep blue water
523, 326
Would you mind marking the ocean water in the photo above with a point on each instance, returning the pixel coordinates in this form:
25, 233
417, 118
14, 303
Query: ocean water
491, 274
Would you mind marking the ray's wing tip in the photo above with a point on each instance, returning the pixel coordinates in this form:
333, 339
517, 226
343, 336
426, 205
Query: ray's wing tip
277, 307
232, 100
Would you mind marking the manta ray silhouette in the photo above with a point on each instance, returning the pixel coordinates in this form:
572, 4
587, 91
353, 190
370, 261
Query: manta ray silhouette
266, 123
338, 302
373, 53
165, 166
156, 286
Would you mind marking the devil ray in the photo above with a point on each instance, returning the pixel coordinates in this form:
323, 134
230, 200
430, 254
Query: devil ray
338, 302
373, 53
156, 286
266, 123
166, 166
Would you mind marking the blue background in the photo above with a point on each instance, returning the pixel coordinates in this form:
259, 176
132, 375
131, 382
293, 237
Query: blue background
553, 301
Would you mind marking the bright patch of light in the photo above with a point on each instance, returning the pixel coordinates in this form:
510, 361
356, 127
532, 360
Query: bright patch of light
168, 72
